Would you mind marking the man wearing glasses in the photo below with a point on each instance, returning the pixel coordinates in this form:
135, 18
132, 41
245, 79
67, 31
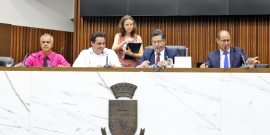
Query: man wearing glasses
226, 56
159, 53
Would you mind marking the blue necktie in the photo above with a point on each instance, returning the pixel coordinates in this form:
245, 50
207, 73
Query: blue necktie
226, 63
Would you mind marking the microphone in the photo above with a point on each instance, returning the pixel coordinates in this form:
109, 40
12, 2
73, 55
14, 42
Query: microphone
50, 65
35, 56
107, 65
157, 57
23, 65
245, 64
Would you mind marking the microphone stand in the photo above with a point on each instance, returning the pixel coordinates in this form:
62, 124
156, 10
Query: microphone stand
23, 65
107, 65
50, 65
245, 64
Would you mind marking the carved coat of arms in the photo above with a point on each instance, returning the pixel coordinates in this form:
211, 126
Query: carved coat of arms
123, 113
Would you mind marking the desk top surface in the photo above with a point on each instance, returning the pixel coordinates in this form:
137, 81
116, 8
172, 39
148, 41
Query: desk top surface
216, 70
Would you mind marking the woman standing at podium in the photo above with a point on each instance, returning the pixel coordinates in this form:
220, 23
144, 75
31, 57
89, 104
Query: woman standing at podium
127, 27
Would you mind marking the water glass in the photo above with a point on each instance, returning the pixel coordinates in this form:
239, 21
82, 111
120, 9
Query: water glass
250, 62
169, 62
87, 61
9, 62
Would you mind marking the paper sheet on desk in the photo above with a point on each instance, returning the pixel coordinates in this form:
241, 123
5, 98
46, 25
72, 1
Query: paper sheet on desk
125, 46
182, 62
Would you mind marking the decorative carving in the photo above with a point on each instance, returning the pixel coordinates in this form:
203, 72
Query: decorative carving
123, 117
123, 113
103, 131
123, 90
142, 131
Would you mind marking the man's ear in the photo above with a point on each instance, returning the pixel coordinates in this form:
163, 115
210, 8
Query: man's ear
217, 40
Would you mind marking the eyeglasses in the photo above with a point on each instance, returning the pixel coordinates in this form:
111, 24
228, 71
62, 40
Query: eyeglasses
224, 41
154, 42
129, 25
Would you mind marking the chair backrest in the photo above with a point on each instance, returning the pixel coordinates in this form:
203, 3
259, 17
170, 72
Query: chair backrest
182, 50
262, 66
3, 61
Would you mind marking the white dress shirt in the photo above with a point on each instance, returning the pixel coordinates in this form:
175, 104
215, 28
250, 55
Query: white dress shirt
97, 60
222, 58
161, 56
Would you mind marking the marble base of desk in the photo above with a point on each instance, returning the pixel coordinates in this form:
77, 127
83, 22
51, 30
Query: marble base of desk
75, 103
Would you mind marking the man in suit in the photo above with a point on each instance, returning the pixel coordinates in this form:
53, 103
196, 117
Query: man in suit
226, 56
159, 52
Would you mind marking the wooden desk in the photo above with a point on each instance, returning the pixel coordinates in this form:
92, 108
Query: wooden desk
215, 70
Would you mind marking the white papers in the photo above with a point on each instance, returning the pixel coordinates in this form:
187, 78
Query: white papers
182, 62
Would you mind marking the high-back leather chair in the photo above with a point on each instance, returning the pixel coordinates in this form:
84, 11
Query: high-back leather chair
262, 66
3, 61
182, 50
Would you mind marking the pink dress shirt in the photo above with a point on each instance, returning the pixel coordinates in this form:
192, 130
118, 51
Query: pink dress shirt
36, 60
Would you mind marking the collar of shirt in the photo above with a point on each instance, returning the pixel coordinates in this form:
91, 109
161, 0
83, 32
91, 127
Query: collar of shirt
221, 52
42, 55
222, 58
92, 51
161, 56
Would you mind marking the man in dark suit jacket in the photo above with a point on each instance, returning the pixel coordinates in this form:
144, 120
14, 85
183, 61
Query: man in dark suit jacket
226, 56
159, 52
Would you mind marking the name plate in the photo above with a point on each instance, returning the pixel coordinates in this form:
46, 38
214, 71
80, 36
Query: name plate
182, 62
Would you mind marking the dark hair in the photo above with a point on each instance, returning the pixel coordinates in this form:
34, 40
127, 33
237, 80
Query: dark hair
121, 25
158, 32
95, 35
218, 35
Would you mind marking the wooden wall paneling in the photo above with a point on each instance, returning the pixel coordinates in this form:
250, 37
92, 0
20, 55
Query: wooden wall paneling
27, 40
197, 33
12, 41
88, 32
18, 43
5, 39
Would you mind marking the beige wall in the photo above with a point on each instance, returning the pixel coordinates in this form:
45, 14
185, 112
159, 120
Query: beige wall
48, 14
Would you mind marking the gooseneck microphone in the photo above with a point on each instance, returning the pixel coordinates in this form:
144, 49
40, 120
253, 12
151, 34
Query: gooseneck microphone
50, 65
23, 65
157, 57
35, 56
107, 65
245, 64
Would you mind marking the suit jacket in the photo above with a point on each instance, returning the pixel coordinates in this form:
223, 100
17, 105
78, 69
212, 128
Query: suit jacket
149, 55
213, 58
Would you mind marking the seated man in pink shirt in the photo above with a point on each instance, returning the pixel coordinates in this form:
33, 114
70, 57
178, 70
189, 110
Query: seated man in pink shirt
43, 58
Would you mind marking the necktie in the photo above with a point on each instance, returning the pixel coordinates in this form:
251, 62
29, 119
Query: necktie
45, 61
226, 63
158, 59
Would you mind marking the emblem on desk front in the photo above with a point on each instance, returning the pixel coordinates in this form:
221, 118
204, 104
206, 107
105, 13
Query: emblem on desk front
123, 113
